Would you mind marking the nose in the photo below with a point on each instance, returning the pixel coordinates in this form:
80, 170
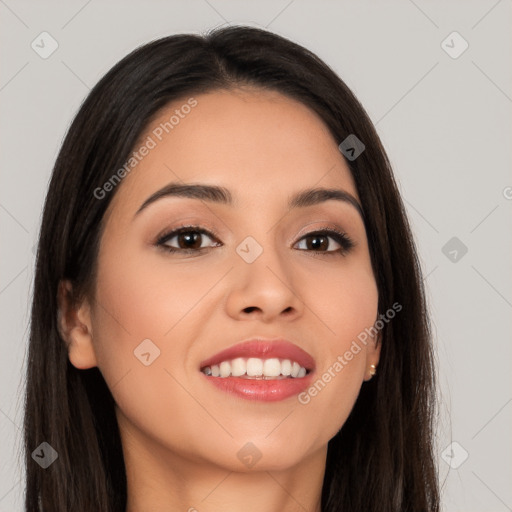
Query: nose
265, 289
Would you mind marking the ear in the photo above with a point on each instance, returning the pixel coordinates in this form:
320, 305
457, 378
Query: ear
373, 355
75, 327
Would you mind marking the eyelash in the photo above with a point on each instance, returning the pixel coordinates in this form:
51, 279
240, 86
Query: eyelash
341, 238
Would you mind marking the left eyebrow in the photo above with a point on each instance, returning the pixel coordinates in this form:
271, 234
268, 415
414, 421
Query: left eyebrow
314, 196
222, 195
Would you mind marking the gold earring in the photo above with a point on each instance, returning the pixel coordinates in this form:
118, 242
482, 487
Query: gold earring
373, 370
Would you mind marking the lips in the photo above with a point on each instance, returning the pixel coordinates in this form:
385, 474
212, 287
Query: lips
263, 349
269, 389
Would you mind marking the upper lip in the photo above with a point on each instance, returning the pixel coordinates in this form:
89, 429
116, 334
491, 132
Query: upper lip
263, 348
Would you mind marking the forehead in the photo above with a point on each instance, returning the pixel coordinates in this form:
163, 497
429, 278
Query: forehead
260, 144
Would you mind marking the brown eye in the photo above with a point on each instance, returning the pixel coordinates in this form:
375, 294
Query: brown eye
187, 239
319, 241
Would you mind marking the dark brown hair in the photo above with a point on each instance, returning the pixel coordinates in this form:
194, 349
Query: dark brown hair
382, 458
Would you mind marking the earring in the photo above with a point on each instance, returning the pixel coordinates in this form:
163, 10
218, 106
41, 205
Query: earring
373, 370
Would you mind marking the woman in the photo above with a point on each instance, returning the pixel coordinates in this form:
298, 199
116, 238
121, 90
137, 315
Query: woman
228, 309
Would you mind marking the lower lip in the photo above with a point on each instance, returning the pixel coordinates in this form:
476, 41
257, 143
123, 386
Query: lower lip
270, 390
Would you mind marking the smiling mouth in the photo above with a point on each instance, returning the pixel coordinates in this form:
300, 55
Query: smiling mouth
254, 368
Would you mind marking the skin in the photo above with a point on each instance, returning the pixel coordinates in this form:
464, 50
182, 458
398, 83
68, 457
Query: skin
180, 434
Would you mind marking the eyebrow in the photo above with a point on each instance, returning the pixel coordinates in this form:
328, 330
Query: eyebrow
222, 195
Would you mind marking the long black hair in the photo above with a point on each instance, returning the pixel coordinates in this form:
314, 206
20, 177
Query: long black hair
382, 458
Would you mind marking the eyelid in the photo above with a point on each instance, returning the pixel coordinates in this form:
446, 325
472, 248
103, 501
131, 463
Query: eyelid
326, 226
166, 233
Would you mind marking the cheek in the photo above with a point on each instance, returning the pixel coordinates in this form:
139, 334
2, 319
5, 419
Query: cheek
142, 324
346, 302
147, 312
148, 297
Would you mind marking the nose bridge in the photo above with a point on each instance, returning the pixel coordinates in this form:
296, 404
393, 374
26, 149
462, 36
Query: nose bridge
262, 279
262, 251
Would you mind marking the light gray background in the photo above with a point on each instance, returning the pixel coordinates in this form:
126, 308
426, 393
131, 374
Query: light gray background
445, 122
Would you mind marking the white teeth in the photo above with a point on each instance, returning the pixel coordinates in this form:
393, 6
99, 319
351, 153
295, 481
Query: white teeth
238, 367
295, 369
272, 368
225, 369
254, 367
286, 367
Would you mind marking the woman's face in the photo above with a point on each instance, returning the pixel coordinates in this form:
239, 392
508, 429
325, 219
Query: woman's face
254, 272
